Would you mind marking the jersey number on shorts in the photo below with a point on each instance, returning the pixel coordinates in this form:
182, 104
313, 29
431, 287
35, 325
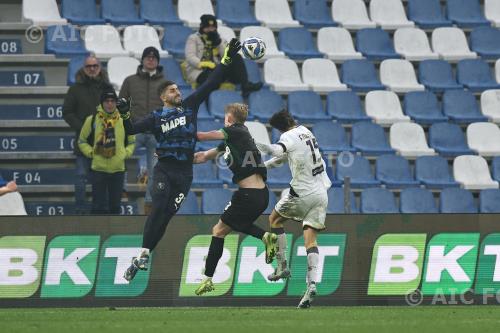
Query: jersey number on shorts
178, 201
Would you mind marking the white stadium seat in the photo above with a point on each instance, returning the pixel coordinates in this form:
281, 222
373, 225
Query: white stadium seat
267, 36
42, 12
226, 33
484, 138
283, 75
104, 41
12, 204
413, 44
497, 70
492, 11
473, 173
337, 44
258, 132
190, 11
384, 107
137, 37
451, 44
390, 14
352, 14
399, 76
119, 68
490, 104
409, 140
274, 14
321, 75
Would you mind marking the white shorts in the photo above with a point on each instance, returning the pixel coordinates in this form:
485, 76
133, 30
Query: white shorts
310, 209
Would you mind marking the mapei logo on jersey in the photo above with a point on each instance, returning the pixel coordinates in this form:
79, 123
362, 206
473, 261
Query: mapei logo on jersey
68, 266
244, 269
174, 123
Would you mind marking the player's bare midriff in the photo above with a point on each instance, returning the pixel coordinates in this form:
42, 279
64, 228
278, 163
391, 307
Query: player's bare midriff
253, 181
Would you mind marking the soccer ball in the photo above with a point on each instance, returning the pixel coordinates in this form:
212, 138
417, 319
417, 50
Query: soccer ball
253, 48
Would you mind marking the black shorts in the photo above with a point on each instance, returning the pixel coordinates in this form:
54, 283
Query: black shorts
246, 205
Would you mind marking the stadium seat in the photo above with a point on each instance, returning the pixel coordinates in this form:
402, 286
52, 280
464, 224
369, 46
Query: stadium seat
423, 107
461, 107
279, 177
394, 171
384, 108
331, 137
258, 132
214, 200
378, 201
204, 176
489, 201
485, 41
75, 64
375, 44
226, 33
466, 13
120, 12
352, 14
399, 76
272, 203
427, 14
476, 75
345, 107
495, 168
205, 125
306, 106
42, 12
81, 12
36, 143
64, 41
473, 173
267, 36
408, 139
412, 43
104, 41
434, 172
274, 14
39, 176
389, 14
321, 75
235, 13
138, 37
490, 104
448, 139
358, 169
159, 12
336, 44
497, 70
189, 205
172, 71
264, 103
492, 11
119, 68
370, 139
313, 14
253, 71
484, 138
225, 174
190, 11
417, 201
437, 75
451, 44
297, 43
457, 200
283, 75
174, 39
360, 75
218, 99
336, 202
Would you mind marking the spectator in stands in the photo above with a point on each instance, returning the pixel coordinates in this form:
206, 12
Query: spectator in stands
142, 89
79, 103
204, 50
103, 140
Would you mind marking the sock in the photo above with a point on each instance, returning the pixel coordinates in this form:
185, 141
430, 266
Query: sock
312, 264
144, 252
282, 245
214, 253
255, 231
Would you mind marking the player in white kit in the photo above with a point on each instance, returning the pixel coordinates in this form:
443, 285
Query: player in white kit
306, 200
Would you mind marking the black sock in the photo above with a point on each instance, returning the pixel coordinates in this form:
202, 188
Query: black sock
214, 253
278, 231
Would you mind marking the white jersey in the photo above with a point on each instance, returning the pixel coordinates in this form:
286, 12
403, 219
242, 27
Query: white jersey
306, 164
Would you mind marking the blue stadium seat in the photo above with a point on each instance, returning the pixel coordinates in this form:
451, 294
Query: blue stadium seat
264, 103
253, 71
298, 43
49, 208
394, 171
235, 13
37, 143
120, 12
306, 106
218, 99
75, 64
437, 75
226, 175
423, 107
495, 168
203, 110
476, 75
64, 41
275, 135
81, 12
52, 176
31, 111
457, 200
417, 201
345, 107
375, 44
485, 41
190, 205
214, 200
272, 203
489, 201
448, 140
427, 14
358, 169
461, 107
159, 12
378, 201
336, 201
313, 14
370, 139
172, 71
331, 137
207, 125
174, 39
466, 13
279, 177
204, 176
360, 75
434, 172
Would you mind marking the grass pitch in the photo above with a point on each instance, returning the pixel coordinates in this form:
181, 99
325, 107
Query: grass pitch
440, 319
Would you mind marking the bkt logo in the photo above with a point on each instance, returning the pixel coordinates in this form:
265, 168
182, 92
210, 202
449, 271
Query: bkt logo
244, 268
69, 266
449, 264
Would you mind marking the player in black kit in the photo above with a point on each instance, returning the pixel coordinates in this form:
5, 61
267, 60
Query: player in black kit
251, 198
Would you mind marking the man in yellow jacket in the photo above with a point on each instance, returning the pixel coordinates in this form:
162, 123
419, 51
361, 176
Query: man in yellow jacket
103, 139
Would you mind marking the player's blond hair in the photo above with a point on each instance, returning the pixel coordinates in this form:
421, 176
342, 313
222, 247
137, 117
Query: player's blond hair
238, 110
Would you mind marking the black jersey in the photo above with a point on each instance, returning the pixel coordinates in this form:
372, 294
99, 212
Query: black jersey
241, 153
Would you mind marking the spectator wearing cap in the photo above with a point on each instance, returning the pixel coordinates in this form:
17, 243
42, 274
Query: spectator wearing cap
104, 141
205, 49
142, 89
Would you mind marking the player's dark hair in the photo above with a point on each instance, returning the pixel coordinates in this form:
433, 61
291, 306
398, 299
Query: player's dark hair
282, 121
164, 85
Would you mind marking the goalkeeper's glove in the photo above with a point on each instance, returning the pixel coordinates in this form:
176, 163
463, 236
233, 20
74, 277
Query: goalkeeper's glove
123, 106
207, 64
231, 50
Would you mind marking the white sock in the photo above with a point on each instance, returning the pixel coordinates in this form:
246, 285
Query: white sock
312, 265
144, 252
282, 245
